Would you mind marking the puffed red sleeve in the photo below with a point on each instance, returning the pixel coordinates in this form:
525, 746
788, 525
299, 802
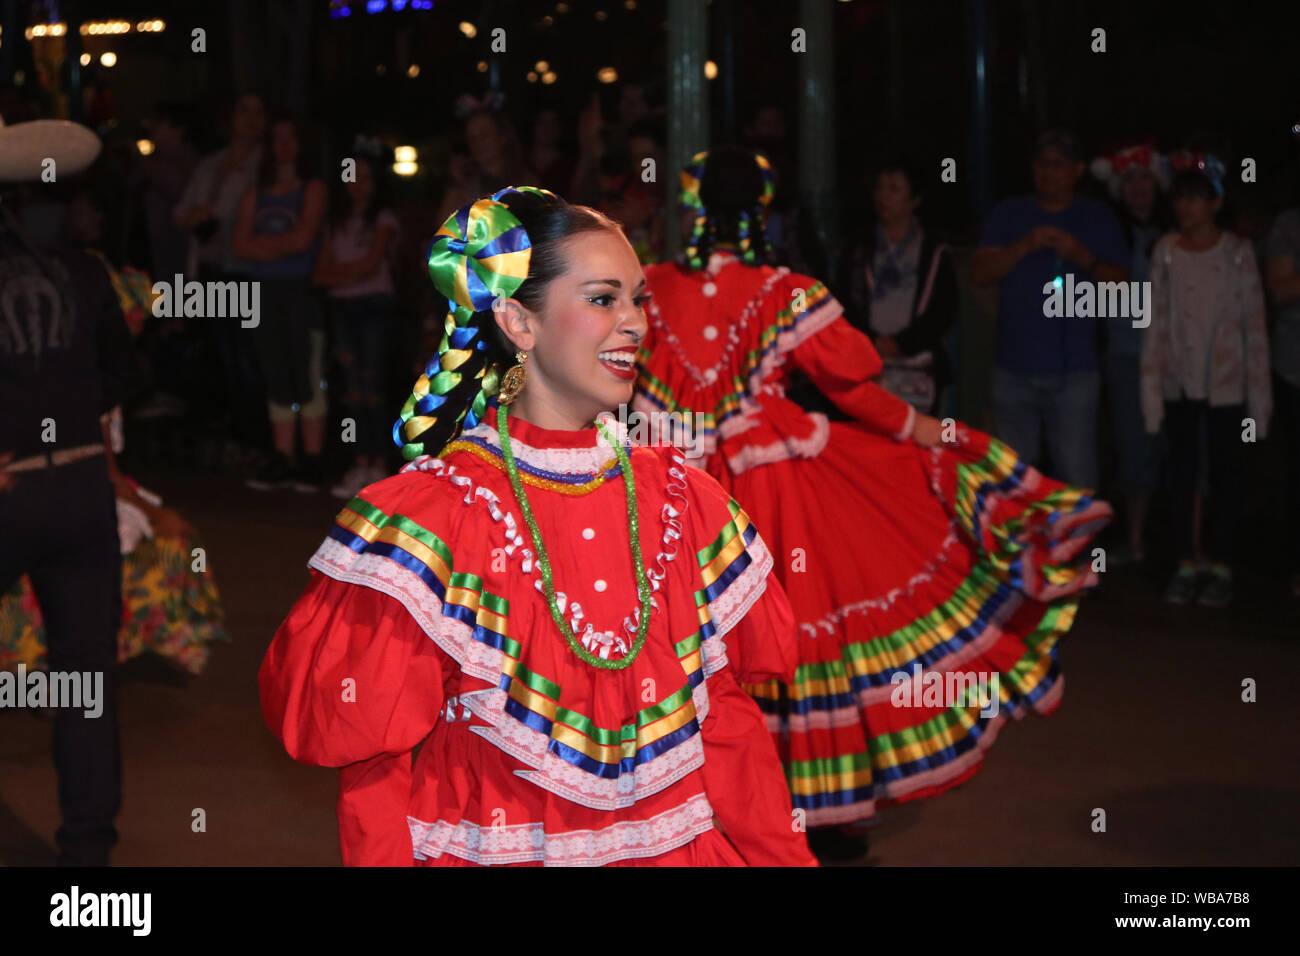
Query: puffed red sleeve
749, 610
841, 361
753, 639
744, 782
351, 681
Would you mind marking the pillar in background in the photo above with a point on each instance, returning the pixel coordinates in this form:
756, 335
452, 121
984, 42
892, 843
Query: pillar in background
688, 105
981, 160
817, 120
73, 17
727, 24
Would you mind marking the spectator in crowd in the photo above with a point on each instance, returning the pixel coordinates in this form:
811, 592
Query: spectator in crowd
162, 177
355, 266
1137, 178
207, 210
1204, 365
631, 201
586, 185
553, 163
901, 290
1046, 381
496, 158
278, 231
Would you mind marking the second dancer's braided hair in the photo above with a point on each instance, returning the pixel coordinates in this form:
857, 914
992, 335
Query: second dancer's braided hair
730, 190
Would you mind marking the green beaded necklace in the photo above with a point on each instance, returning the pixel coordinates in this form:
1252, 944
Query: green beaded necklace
544, 562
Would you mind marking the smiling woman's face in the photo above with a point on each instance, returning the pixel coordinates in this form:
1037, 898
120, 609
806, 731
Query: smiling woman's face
582, 341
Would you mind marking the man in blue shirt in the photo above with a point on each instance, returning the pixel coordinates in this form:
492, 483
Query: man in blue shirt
1046, 374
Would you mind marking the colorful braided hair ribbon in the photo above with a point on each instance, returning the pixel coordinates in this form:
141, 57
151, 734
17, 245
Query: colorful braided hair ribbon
479, 256
691, 177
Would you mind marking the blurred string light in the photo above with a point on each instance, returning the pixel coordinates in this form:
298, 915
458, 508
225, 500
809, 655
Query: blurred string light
405, 164
413, 70
145, 146
601, 15
482, 66
343, 8
541, 66
532, 77
561, 8
85, 59
629, 4
108, 59
710, 70
607, 74
468, 29
548, 77
96, 28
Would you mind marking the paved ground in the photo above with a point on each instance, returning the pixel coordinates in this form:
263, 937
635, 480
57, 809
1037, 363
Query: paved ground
1152, 730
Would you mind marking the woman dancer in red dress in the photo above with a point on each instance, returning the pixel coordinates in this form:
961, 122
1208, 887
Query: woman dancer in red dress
565, 618
923, 560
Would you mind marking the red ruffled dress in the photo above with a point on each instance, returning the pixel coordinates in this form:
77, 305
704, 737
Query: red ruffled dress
425, 622
913, 573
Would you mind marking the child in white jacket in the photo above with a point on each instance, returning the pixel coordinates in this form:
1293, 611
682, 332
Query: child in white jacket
1205, 366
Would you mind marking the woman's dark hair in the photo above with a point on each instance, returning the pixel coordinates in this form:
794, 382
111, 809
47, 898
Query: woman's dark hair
548, 220
267, 172
905, 167
1192, 183
340, 210
512, 151
173, 113
731, 189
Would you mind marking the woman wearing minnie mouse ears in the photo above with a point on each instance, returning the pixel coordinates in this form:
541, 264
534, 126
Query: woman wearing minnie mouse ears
561, 619
1137, 177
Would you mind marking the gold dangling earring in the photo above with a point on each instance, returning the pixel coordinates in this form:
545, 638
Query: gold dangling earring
512, 383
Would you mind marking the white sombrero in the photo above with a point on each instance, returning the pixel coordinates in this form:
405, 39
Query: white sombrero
24, 148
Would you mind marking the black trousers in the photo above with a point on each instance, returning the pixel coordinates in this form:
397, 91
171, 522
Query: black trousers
1183, 423
240, 391
59, 526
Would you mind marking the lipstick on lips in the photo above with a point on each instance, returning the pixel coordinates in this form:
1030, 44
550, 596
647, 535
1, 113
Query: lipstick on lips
621, 362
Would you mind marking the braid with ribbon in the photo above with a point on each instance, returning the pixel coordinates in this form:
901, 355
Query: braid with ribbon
750, 223
479, 256
697, 247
